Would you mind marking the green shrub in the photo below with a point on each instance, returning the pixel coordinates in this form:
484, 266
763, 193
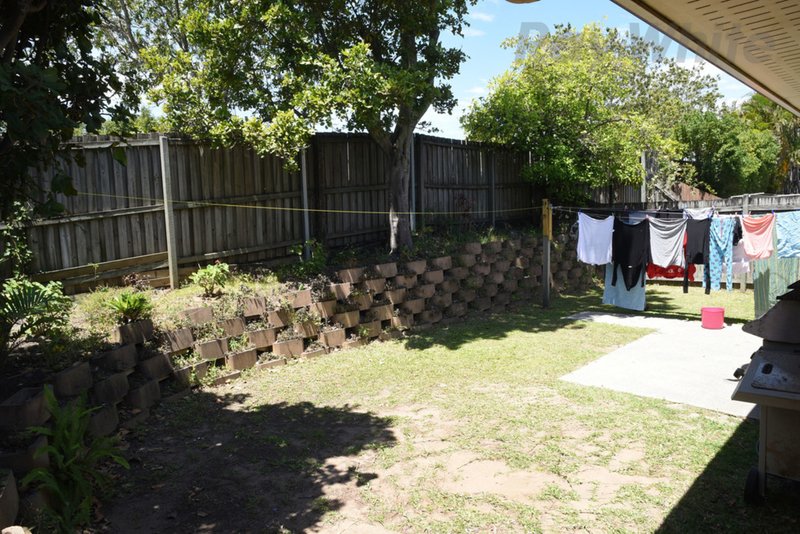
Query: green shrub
28, 308
74, 474
211, 277
131, 306
315, 264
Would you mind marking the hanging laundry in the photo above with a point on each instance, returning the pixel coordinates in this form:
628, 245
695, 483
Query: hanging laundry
758, 236
594, 239
666, 242
787, 226
737, 230
771, 277
720, 252
669, 214
630, 250
698, 213
619, 295
671, 272
741, 263
697, 249
635, 217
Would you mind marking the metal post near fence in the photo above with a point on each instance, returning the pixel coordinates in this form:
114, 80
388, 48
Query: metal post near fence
547, 236
169, 213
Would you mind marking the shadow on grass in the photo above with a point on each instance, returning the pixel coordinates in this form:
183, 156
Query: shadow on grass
208, 464
715, 501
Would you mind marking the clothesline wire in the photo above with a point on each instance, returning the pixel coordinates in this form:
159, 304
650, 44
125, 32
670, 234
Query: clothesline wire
722, 209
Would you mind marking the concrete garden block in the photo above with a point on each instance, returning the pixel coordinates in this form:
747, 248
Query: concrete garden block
382, 312
526, 252
442, 262
508, 254
362, 300
179, 340
405, 280
489, 290
333, 338
104, 421
458, 273
255, 306
314, 353
306, 329
417, 266
425, 292
191, 374
510, 285
341, 291
522, 263
565, 266
431, 316
501, 298
450, 285
301, 298
227, 378
466, 260
529, 282
396, 296
347, 319
414, 306
403, 322
351, 275
374, 285
372, 328
457, 309
263, 338
237, 361
466, 294
513, 244
442, 300
24, 408
481, 269
353, 343
495, 278
493, 247
212, 349
199, 316
157, 367
325, 308
118, 359
390, 334
288, 348
73, 380
535, 270
516, 273
133, 333
9, 499
144, 396
386, 270
280, 317
111, 390
473, 248
24, 460
575, 273
560, 276
433, 277
481, 303
487, 258
501, 266
233, 327
270, 364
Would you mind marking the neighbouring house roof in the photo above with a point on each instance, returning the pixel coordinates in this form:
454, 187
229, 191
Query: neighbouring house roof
755, 41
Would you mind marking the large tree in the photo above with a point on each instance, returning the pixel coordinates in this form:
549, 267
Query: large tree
269, 72
586, 104
52, 79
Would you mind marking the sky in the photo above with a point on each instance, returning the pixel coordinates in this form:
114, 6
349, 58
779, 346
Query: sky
492, 21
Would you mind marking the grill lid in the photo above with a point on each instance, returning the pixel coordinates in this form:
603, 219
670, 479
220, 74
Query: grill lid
781, 323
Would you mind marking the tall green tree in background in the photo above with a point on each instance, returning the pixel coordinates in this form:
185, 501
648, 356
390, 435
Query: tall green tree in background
586, 104
764, 114
52, 79
269, 72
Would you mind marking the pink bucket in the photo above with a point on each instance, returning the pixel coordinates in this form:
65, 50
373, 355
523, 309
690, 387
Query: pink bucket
713, 318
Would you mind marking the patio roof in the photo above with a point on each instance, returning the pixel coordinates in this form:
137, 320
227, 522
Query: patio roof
755, 41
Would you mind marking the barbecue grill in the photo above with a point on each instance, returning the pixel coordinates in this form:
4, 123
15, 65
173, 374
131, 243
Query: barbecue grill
772, 381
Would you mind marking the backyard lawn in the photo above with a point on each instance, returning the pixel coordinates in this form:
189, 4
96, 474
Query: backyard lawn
465, 428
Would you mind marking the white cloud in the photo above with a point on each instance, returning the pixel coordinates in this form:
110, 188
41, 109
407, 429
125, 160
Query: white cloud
477, 90
472, 32
482, 16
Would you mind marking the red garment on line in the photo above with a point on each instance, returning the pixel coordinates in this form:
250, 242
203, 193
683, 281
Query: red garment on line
673, 271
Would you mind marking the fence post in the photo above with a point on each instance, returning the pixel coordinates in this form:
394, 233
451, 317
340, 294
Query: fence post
306, 222
169, 213
489, 165
413, 179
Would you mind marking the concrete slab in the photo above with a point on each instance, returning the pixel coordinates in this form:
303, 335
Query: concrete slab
679, 362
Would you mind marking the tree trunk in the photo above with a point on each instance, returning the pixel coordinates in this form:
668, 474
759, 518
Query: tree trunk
399, 218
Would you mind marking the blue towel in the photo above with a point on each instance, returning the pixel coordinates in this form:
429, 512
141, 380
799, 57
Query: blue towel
619, 296
787, 228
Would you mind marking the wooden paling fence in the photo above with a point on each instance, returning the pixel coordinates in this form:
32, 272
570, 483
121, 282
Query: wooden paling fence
232, 204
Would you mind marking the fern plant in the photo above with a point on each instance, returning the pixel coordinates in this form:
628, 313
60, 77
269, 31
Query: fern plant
211, 278
131, 306
28, 308
74, 473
